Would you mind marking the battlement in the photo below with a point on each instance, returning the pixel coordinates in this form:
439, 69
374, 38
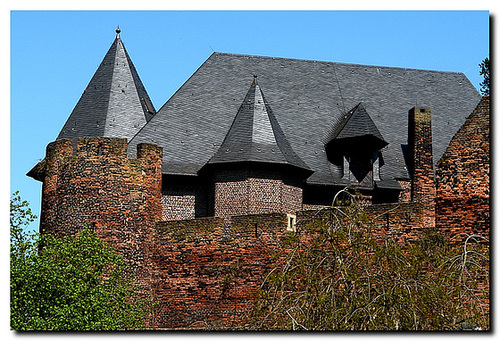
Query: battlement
101, 146
85, 183
94, 148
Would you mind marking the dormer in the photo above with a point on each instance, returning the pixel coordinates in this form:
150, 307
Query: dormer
355, 146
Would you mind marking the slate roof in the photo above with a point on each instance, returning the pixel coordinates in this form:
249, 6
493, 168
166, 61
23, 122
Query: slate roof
115, 102
357, 124
255, 135
308, 98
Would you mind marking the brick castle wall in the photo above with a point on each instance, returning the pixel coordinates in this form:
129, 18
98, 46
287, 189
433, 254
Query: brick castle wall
463, 177
98, 185
402, 222
206, 278
206, 275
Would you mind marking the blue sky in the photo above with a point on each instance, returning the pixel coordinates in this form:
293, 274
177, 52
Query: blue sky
54, 54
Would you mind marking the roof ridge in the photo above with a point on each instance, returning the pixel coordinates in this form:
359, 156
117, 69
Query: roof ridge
336, 63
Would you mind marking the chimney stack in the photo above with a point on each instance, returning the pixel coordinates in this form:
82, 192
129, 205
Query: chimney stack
421, 165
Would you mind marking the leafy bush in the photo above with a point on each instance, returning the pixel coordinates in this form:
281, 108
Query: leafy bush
70, 283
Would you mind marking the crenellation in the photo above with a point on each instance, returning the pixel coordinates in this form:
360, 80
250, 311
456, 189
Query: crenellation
101, 146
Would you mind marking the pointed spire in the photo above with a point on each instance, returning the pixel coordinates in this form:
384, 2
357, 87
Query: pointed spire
115, 102
256, 136
254, 79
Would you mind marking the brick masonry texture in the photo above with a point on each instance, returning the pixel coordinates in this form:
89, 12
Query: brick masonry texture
463, 177
207, 276
402, 222
253, 192
117, 196
178, 207
421, 168
183, 198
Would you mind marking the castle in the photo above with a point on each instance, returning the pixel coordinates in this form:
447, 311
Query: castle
243, 152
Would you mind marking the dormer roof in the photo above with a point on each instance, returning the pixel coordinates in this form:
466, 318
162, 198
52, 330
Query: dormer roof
356, 129
256, 136
115, 102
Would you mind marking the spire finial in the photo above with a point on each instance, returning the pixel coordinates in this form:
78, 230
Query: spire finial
118, 31
254, 79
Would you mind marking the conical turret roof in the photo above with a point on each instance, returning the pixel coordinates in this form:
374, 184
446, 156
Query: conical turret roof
256, 136
115, 102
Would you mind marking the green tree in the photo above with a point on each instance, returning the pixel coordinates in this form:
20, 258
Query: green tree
69, 283
337, 276
485, 72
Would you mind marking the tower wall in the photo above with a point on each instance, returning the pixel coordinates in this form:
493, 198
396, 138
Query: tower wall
120, 198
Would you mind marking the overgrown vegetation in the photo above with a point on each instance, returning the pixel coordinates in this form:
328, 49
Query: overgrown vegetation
67, 283
338, 276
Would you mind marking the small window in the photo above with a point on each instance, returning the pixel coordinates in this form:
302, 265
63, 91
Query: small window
291, 222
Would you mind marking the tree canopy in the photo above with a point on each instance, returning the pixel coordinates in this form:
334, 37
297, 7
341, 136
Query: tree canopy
485, 72
67, 283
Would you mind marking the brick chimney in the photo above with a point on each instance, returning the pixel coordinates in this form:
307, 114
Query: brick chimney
420, 162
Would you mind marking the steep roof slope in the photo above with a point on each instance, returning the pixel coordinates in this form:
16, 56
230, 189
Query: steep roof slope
115, 102
308, 99
255, 135
354, 125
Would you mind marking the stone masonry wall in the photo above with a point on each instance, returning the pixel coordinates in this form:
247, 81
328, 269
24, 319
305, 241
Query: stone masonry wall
463, 177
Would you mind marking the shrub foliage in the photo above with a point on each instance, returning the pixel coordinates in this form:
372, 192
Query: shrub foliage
69, 283
338, 276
